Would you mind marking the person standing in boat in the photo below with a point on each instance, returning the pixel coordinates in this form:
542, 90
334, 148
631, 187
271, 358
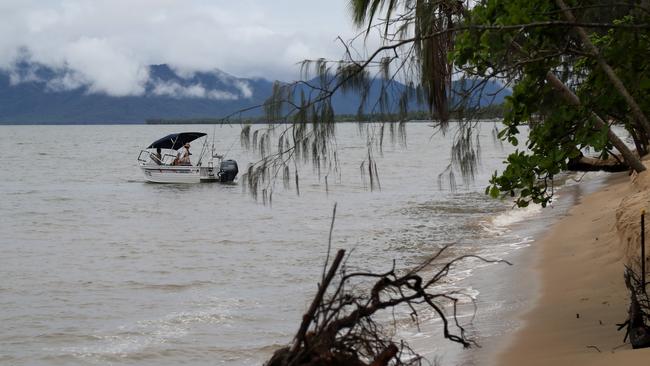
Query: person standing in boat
157, 157
184, 155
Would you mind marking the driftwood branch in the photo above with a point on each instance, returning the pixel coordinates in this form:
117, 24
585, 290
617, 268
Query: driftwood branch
309, 315
637, 325
339, 327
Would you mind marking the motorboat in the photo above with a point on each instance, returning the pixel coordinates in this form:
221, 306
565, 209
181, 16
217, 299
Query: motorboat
160, 161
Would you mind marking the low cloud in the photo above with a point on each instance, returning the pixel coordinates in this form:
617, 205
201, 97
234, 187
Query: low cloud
176, 90
25, 74
107, 45
66, 80
244, 88
118, 77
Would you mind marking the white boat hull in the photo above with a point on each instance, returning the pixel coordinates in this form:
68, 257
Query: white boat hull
171, 174
179, 174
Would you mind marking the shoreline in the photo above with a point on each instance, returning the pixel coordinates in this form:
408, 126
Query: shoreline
579, 296
510, 292
504, 297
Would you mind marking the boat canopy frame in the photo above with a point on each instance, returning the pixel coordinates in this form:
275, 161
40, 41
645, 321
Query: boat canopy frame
175, 141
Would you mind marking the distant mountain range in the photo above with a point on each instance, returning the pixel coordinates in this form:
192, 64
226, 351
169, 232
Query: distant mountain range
35, 94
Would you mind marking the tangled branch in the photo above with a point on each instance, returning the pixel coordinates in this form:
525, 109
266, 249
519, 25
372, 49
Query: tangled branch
637, 326
341, 327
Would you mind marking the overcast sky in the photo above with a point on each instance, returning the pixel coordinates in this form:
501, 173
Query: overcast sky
110, 42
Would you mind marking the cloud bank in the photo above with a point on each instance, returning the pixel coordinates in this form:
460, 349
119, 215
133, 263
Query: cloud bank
106, 46
176, 90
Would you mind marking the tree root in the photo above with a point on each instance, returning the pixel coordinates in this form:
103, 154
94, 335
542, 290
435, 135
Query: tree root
339, 326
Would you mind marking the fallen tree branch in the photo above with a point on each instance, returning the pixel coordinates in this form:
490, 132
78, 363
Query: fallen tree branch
588, 164
341, 329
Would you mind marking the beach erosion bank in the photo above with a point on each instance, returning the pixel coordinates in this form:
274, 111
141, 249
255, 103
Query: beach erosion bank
582, 295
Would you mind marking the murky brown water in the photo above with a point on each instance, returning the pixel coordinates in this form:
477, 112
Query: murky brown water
98, 267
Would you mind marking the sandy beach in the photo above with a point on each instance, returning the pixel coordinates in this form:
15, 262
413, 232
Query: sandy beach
582, 297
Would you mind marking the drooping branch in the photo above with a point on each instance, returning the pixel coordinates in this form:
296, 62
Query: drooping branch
415, 37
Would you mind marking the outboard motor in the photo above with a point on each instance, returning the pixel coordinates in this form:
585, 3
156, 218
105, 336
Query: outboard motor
228, 170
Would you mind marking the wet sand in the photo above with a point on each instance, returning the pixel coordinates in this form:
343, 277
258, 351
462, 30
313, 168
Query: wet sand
580, 264
509, 292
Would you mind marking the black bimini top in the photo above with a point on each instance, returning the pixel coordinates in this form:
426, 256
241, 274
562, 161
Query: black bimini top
175, 140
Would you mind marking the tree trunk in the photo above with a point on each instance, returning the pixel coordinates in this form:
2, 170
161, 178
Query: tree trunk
571, 98
588, 164
618, 84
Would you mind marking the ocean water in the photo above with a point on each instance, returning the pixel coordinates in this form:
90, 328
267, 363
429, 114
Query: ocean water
99, 267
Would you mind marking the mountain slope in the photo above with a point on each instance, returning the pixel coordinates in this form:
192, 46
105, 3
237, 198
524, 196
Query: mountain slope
166, 95
34, 94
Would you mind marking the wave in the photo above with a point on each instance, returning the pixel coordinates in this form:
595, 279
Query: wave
506, 219
172, 287
145, 338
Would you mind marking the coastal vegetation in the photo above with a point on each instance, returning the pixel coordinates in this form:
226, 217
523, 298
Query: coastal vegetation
576, 69
564, 86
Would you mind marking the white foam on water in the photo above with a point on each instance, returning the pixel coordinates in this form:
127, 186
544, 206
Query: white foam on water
505, 220
523, 242
505, 232
130, 339
500, 238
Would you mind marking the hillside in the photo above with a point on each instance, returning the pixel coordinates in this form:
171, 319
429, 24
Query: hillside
32, 94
